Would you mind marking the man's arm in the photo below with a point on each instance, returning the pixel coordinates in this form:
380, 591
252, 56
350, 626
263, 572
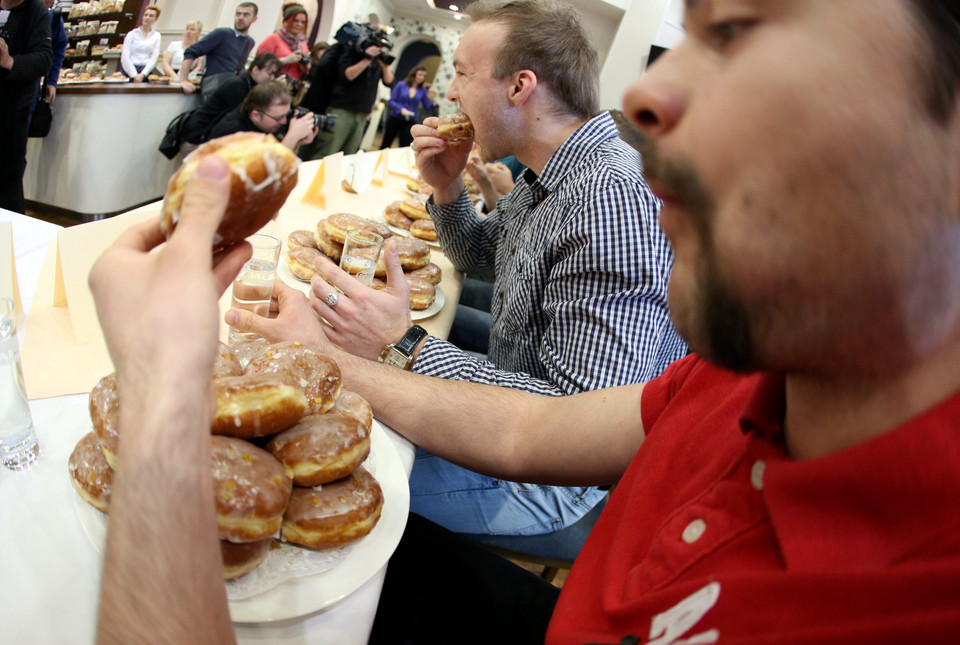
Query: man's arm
35, 62
58, 42
386, 73
185, 68
300, 131
162, 575
352, 71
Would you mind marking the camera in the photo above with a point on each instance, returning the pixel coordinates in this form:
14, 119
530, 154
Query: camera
323, 122
360, 36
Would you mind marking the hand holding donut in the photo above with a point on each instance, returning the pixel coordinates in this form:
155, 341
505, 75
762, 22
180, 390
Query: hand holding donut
440, 162
363, 320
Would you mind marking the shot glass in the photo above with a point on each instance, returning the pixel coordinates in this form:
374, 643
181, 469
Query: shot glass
19, 448
361, 252
253, 286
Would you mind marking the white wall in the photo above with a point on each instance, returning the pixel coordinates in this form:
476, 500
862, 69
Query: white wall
628, 53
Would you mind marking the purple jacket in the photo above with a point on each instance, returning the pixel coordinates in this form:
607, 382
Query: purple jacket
400, 98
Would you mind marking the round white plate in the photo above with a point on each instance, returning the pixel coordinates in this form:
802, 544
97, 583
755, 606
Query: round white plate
301, 596
304, 287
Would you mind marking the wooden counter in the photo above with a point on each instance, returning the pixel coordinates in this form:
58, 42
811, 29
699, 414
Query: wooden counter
101, 155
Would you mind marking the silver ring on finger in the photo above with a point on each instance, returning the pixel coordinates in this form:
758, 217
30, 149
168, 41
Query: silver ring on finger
332, 298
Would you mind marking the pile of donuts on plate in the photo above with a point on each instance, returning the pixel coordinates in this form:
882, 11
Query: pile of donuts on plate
327, 238
286, 447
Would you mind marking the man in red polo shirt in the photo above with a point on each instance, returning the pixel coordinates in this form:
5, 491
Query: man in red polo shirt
795, 480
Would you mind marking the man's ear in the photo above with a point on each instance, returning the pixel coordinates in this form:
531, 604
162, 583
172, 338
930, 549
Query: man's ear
524, 83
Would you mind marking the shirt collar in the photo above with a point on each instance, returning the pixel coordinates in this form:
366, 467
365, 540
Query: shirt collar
567, 157
237, 33
870, 505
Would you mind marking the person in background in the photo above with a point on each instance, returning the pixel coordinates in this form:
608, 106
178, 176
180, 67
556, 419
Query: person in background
407, 96
173, 56
267, 109
58, 43
25, 57
226, 50
289, 42
141, 47
433, 110
494, 179
317, 51
227, 97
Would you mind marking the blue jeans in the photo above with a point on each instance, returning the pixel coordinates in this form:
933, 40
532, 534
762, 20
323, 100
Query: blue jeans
470, 330
466, 502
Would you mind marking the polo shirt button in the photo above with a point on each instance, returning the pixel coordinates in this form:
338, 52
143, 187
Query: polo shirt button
756, 474
694, 531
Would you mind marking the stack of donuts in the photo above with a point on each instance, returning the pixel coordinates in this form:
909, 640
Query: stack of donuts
411, 214
286, 447
304, 248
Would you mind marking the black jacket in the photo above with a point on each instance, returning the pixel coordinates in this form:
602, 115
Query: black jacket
27, 33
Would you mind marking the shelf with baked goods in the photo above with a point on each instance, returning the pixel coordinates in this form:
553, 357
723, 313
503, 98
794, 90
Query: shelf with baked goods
94, 35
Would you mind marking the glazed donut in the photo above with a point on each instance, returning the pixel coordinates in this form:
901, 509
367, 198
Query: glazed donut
395, 217
256, 406
301, 239
420, 188
338, 224
429, 272
424, 229
414, 208
327, 245
422, 293
354, 268
413, 253
321, 448
262, 174
90, 474
226, 362
251, 490
105, 415
339, 513
351, 404
302, 262
302, 367
247, 349
455, 127
240, 558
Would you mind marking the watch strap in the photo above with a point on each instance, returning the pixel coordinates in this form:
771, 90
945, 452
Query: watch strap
411, 339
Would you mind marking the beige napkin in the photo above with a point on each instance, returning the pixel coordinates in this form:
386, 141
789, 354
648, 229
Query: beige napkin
8, 268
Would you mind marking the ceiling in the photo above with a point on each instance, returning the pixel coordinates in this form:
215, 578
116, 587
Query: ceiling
438, 11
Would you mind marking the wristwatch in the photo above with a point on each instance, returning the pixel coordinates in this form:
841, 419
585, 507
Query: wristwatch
400, 354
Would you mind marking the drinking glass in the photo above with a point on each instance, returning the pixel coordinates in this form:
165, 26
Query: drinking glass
19, 448
361, 252
253, 286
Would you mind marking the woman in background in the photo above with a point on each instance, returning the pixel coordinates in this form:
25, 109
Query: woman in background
289, 42
407, 95
173, 57
141, 47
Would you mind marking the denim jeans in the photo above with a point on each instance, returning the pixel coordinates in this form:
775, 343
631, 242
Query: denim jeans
466, 502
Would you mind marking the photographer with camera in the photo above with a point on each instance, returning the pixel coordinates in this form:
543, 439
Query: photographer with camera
267, 109
289, 42
361, 64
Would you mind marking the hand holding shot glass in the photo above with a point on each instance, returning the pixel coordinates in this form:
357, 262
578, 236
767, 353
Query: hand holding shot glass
253, 286
361, 252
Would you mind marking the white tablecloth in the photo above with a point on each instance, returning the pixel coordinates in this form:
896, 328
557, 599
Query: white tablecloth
49, 570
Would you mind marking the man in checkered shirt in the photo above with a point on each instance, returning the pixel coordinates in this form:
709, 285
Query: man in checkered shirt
581, 263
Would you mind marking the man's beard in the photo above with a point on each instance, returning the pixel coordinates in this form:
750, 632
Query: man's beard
721, 320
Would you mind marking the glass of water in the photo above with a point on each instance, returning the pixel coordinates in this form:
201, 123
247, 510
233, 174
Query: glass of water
361, 252
253, 286
19, 448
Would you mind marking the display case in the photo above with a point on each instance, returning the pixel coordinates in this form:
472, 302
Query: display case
95, 30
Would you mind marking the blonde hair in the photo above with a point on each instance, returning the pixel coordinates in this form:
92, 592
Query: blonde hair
156, 9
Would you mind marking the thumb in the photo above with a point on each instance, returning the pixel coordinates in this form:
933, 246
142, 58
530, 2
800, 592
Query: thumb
205, 200
395, 278
245, 321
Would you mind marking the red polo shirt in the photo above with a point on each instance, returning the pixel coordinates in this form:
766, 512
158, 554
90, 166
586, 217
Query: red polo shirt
714, 535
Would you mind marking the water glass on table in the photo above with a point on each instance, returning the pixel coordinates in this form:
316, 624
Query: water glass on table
18, 440
253, 286
361, 252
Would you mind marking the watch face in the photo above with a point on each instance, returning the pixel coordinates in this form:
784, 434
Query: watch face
396, 358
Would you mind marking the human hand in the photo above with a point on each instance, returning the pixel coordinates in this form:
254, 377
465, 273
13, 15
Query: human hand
440, 162
372, 51
51, 94
477, 170
301, 130
500, 176
364, 320
294, 57
294, 319
6, 60
138, 78
406, 114
188, 87
145, 301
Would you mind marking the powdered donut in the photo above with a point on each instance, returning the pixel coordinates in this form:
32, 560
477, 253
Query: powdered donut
337, 513
240, 558
327, 245
351, 404
429, 272
105, 415
226, 362
321, 448
251, 490
302, 262
262, 174
317, 375
395, 216
338, 224
424, 229
256, 406
455, 127
90, 473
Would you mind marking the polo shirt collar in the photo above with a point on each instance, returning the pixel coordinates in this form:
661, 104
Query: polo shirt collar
870, 505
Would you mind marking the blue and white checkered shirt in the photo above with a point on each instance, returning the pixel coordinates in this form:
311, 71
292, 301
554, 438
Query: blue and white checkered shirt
581, 265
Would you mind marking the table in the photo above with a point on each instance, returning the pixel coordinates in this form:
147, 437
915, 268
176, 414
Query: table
50, 574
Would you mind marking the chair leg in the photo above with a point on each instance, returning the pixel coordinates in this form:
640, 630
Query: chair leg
549, 573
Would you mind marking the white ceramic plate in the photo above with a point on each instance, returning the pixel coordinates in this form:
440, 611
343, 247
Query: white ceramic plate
301, 596
283, 271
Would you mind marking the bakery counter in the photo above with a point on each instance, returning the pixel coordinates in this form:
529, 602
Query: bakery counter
101, 155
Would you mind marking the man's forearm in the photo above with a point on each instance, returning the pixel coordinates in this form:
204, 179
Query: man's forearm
356, 69
185, 68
